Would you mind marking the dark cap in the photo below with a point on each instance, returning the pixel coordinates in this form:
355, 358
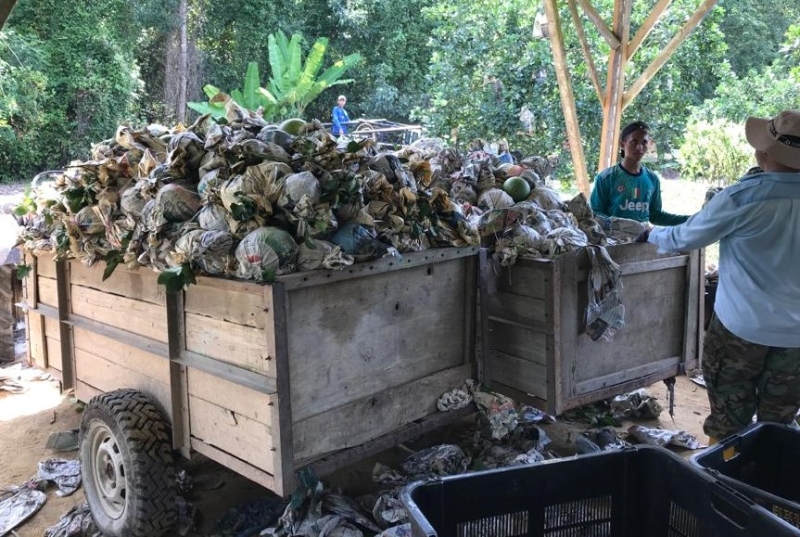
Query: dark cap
633, 127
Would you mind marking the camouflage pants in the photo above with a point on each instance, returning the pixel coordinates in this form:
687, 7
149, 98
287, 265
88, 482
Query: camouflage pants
746, 379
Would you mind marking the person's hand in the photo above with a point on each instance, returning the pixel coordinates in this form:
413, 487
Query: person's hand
643, 236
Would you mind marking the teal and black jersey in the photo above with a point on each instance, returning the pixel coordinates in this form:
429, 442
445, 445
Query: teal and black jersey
620, 193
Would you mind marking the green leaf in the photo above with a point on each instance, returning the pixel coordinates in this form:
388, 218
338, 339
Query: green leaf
176, 279
23, 271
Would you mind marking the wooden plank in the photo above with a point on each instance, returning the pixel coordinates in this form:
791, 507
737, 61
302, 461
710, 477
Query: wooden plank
53, 349
647, 26
520, 310
526, 278
627, 375
654, 329
525, 398
666, 53
560, 348
115, 351
34, 325
568, 105
486, 280
615, 85
240, 304
591, 397
105, 376
178, 383
611, 38
141, 318
378, 266
470, 298
232, 343
251, 404
283, 432
240, 436
45, 266
84, 392
523, 375
374, 416
515, 340
587, 53
374, 333
68, 379
330, 463
48, 292
52, 337
136, 284
694, 316
240, 467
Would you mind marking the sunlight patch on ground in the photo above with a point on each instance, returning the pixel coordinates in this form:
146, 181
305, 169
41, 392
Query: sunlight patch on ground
38, 395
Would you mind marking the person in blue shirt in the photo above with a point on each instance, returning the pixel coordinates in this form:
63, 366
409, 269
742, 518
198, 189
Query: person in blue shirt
751, 352
628, 189
340, 117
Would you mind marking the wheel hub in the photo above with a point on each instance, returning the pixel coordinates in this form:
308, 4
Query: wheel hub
108, 472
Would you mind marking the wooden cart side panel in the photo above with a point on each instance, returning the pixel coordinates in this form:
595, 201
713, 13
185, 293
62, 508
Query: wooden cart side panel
232, 301
136, 284
142, 318
277, 316
368, 418
350, 339
244, 438
695, 295
106, 365
232, 343
52, 342
48, 291
655, 325
34, 323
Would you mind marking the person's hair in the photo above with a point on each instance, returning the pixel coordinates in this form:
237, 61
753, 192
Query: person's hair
630, 128
341, 98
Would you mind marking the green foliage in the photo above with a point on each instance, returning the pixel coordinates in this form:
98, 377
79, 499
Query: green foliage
753, 32
294, 84
72, 74
716, 152
178, 278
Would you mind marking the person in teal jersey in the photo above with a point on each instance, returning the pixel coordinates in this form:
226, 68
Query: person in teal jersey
630, 190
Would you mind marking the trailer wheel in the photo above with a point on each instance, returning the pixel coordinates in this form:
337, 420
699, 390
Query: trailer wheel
127, 465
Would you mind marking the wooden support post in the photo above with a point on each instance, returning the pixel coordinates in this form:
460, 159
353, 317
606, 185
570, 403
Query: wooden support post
567, 96
69, 377
615, 85
178, 381
645, 29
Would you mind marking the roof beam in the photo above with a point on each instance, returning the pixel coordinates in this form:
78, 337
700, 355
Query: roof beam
587, 55
665, 54
612, 40
647, 27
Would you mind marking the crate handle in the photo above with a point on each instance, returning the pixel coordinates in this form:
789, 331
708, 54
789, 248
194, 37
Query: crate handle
731, 504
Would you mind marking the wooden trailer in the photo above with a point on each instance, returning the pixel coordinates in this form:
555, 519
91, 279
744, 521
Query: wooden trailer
316, 369
534, 344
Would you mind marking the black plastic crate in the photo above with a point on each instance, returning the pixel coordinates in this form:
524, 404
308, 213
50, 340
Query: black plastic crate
765, 466
637, 492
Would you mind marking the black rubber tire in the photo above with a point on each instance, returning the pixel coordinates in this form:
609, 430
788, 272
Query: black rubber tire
127, 465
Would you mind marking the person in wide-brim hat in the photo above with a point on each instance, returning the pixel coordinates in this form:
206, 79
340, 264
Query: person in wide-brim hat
751, 349
778, 137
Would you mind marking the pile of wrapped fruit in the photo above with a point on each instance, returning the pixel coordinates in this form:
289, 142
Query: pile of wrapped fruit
247, 199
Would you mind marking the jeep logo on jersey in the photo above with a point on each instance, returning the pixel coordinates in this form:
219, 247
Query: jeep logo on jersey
629, 205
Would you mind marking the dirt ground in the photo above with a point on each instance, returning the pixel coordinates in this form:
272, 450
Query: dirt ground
27, 420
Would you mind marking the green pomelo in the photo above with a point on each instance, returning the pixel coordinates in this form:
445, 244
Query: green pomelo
293, 126
517, 187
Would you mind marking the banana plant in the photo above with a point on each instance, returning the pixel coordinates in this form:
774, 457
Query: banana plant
294, 84
251, 97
